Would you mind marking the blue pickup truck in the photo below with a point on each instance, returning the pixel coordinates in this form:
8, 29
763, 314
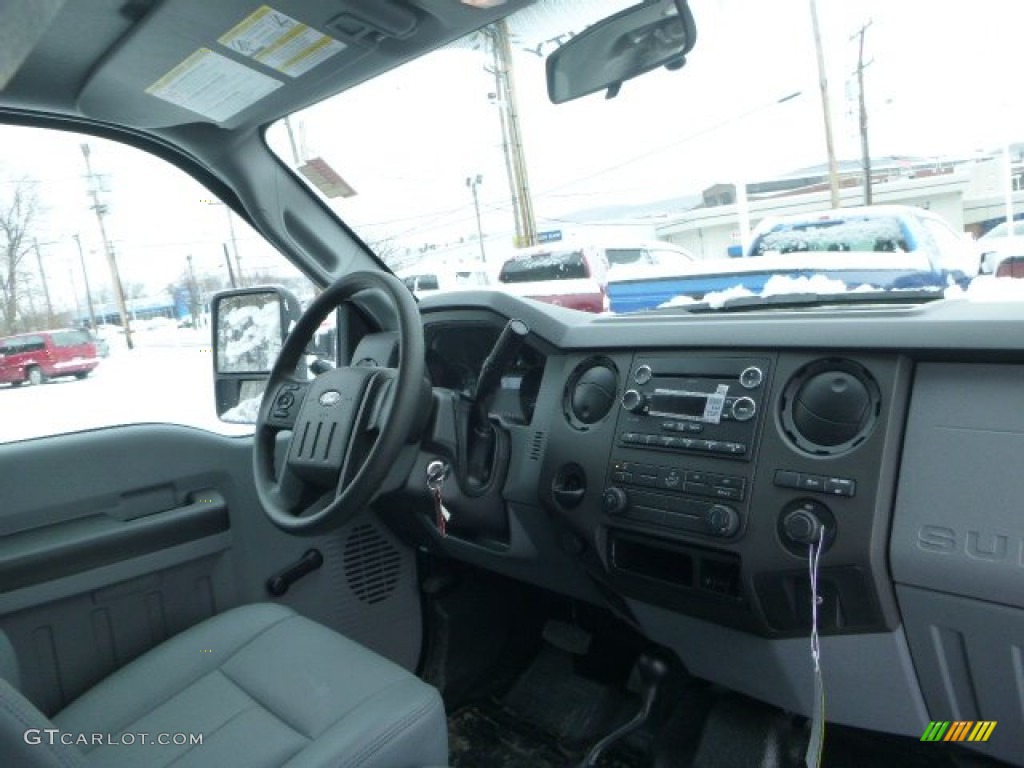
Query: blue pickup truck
885, 247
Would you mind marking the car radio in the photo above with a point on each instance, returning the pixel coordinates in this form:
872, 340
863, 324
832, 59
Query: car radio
692, 407
698, 405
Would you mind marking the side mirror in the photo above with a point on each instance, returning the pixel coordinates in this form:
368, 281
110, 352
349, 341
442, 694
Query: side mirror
249, 327
657, 33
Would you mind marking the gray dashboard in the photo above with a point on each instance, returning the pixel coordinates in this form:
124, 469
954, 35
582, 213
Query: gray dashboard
922, 613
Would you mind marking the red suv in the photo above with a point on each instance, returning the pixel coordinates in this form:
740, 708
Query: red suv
36, 357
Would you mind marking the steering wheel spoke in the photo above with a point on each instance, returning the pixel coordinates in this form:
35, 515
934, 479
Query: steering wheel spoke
285, 403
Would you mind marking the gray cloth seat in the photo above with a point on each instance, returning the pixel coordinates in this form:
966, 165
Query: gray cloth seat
264, 687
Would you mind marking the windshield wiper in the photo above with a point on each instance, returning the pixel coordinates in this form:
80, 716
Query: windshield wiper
809, 299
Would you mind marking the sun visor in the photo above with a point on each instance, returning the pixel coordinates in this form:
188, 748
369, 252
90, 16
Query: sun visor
22, 25
243, 63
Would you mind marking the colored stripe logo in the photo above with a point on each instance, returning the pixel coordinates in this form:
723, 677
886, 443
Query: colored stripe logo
958, 730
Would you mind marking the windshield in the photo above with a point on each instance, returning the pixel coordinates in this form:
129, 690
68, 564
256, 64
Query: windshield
459, 157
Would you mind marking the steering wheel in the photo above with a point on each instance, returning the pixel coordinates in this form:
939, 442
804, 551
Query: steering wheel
348, 425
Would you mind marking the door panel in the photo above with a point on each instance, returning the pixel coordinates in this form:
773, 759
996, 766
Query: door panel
113, 540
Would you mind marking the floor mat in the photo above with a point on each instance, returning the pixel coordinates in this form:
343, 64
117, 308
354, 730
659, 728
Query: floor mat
573, 708
548, 719
489, 735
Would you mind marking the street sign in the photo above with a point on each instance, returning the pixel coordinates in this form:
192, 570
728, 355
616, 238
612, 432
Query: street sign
550, 236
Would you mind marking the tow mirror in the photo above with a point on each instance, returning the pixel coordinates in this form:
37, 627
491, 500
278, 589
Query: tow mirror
249, 327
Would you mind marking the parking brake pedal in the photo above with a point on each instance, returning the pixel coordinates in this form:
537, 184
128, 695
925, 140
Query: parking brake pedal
646, 677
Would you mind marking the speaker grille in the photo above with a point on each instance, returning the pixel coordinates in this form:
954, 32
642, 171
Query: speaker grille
372, 564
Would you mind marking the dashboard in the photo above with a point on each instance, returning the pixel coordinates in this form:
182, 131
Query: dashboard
677, 469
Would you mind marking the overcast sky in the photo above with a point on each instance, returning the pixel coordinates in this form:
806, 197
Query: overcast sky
936, 85
941, 81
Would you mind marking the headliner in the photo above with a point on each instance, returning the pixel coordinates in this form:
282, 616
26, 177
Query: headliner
94, 59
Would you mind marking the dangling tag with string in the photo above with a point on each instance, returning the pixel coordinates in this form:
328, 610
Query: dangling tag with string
437, 473
817, 740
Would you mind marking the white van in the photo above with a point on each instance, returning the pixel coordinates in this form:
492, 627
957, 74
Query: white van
425, 280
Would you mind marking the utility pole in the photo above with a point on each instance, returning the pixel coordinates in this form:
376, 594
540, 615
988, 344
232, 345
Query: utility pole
74, 289
115, 276
193, 290
291, 141
231, 270
833, 168
85, 277
473, 182
46, 288
499, 101
865, 154
234, 244
515, 158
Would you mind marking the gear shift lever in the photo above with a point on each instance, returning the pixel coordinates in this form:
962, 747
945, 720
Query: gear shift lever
648, 673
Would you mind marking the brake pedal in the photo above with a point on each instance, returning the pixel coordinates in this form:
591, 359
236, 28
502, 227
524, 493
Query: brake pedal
567, 637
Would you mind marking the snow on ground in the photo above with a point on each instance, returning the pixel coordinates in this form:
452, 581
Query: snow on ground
168, 378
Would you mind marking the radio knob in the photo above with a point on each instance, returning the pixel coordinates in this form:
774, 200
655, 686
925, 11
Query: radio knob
751, 377
743, 408
643, 374
722, 519
633, 401
614, 501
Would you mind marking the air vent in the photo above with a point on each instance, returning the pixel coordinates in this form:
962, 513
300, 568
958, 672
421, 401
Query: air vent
591, 392
830, 407
537, 446
372, 564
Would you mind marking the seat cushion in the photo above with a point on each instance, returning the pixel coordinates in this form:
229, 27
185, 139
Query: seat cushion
263, 687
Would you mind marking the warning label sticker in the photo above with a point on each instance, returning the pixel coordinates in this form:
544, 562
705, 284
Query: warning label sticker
278, 41
213, 85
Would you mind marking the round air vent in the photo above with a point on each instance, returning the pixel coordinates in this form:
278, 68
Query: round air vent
830, 407
591, 392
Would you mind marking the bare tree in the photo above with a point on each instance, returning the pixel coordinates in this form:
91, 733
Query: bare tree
18, 212
136, 291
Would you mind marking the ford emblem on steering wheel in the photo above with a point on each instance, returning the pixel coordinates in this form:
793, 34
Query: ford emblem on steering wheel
330, 398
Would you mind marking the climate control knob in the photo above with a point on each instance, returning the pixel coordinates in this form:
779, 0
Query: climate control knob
633, 401
614, 501
722, 520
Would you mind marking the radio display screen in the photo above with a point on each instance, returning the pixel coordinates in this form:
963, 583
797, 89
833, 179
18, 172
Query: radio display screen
682, 404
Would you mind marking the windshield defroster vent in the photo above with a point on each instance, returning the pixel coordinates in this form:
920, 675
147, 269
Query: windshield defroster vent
830, 407
372, 564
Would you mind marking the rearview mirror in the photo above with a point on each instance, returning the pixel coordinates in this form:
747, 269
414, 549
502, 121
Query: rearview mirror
249, 327
621, 47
